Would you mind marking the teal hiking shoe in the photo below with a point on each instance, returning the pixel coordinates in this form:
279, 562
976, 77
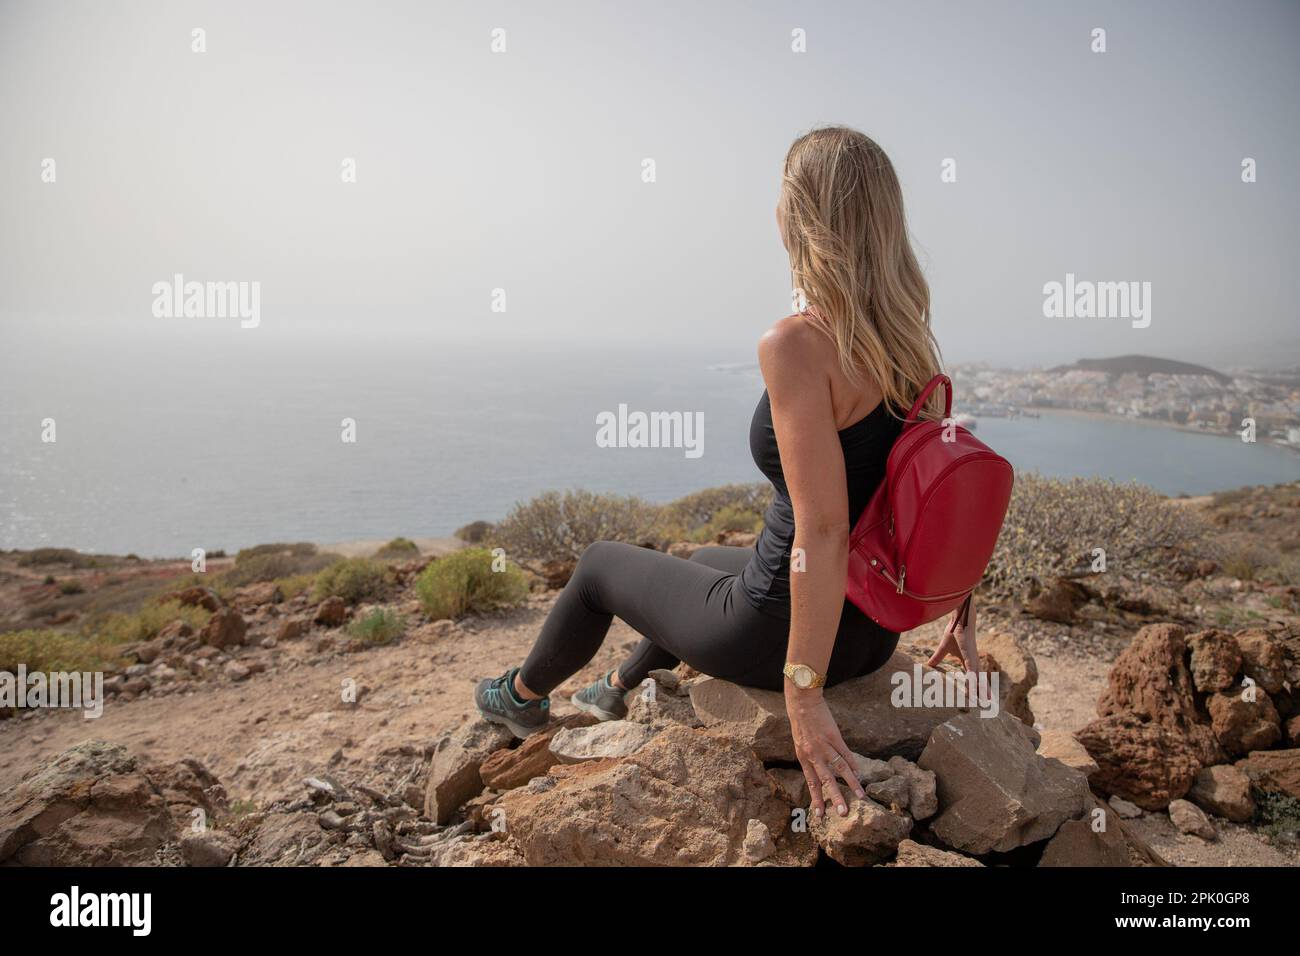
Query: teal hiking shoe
496, 701
601, 699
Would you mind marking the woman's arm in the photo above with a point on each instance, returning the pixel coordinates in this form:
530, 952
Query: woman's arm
792, 357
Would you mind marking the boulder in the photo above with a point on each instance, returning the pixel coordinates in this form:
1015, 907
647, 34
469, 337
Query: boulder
995, 793
209, 848
659, 706
1263, 659
1094, 839
254, 595
866, 835
224, 629
1141, 761
1150, 679
1273, 771
1064, 746
791, 786
1017, 672
293, 628
1189, 818
175, 631
509, 768
205, 598
331, 612
1224, 791
1126, 810
600, 741
864, 708
1242, 725
1215, 661
911, 853
685, 798
454, 771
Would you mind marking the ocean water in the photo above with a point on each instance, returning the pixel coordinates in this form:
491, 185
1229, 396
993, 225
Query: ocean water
170, 444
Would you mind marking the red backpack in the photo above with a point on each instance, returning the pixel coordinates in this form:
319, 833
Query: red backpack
922, 544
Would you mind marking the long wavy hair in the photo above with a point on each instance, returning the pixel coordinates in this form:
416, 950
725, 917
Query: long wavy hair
841, 218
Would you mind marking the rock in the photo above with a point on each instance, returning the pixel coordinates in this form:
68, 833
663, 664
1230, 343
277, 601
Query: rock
1058, 602
1215, 661
791, 786
1291, 732
1017, 672
210, 848
601, 741
454, 770
254, 595
995, 793
1139, 761
1263, 659
660, 708
224, 629
175, 631
922, 788
92, 805
869, 770
194, 597
1064, 746
1224, 791
1273, 771
1150, 679
506, 769
1126, 810
1094, 839
911, 853
684, 549
293, 628
236, 671
892, 792
758, 845
1188, 818
863, 708
669, 681
1242, 725
148, 652
685, 798
867, 835
331, 612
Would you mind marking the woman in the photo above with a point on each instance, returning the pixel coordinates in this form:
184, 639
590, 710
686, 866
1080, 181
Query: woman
837, 376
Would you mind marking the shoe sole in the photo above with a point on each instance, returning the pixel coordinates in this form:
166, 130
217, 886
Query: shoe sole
519, 730
598, 712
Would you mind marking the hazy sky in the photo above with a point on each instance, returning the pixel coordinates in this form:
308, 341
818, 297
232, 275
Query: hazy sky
522, 170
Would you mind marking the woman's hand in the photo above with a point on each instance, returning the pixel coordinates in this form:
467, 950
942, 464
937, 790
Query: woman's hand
821, 750
959, 639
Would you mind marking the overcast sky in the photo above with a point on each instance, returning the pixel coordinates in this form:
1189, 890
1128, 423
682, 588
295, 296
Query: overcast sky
522, 170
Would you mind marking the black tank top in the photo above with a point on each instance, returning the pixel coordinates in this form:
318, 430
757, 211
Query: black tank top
765, 581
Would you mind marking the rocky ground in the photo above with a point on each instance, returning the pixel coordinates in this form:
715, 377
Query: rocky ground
295, 743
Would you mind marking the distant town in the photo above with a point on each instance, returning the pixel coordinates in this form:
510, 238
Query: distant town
1141, 387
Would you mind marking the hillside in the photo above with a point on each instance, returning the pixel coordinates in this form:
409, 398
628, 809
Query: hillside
1143, 365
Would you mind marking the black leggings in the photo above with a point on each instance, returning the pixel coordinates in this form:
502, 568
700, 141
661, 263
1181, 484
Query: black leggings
690, 611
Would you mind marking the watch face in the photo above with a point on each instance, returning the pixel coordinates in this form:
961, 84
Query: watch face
803, 676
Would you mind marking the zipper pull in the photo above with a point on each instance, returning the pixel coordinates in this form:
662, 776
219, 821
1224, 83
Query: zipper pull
902, 576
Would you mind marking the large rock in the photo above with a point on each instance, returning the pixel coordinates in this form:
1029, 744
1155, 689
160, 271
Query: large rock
454, 771
1098, 838
506, 768
1064, 746
1242, 725
1188, 818
601, 741
1138, 760
864, 708
1215, 661
911, 853
94, 805
995, 792
685, 798
866, 835
1263, 659
1151, 680
224, 629
1224, 791
1273, 771
1017, 672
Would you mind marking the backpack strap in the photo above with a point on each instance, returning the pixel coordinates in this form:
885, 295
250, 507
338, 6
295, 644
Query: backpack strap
946, 382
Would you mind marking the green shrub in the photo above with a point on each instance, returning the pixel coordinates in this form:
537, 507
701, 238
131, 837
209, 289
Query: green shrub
1053, 525
730, 518
42, 556
270, 562
352, 579
559, 526
71, 586
476, 532
49, 650
398, 549
144, 624
378, 626
464, 582
688, 516
1278, 814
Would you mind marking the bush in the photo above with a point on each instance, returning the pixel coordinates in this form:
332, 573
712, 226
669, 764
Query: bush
688, 516
49, 650
558, 527
71, 586
378, 626
1277, 814
464, 581
270, 562
144, 624
353, 580
729, 518
42, 556
398, 549
476, 532
1052, 526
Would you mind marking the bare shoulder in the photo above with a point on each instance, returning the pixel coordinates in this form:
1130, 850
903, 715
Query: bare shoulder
794, 343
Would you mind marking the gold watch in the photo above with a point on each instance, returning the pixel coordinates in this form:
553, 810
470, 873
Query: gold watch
803, 676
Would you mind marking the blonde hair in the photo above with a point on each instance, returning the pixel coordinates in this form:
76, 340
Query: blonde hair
841, 216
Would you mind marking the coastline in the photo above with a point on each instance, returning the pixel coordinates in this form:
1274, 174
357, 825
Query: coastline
1043, 411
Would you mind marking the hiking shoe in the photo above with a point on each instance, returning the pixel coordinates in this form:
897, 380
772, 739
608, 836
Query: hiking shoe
496, 701
601, 699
